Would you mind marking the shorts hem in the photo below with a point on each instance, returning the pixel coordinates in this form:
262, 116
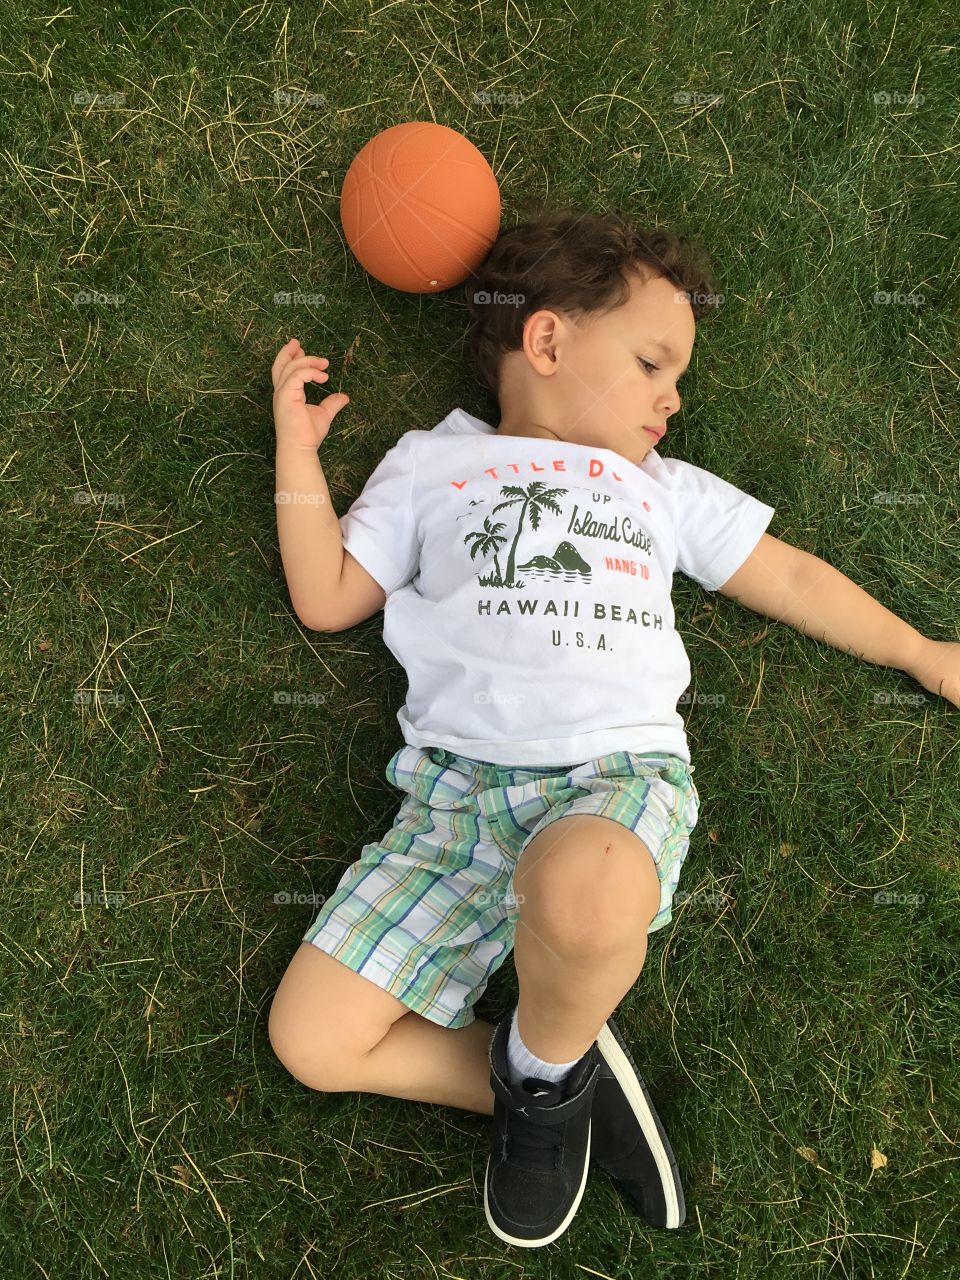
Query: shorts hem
407, 995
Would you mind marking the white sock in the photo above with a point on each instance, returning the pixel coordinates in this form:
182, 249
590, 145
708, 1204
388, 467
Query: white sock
522, 1063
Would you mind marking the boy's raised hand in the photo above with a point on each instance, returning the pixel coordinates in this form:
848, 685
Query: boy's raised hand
297, 423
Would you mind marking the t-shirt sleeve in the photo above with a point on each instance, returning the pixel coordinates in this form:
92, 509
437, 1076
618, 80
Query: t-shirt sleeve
718, 525
379, 529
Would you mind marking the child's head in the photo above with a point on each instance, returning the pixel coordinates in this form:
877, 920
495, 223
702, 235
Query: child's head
571, 313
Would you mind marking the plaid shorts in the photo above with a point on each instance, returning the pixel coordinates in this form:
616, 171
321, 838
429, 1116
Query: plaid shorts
427, 912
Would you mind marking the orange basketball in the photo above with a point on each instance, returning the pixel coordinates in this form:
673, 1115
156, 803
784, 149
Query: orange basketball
420, 207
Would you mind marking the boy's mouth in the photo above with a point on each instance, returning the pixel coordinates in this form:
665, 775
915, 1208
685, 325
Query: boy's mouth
654, 432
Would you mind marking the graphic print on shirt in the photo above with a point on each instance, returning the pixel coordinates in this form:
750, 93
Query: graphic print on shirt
567, 563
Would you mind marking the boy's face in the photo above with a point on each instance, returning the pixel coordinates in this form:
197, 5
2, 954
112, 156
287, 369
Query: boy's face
604, 379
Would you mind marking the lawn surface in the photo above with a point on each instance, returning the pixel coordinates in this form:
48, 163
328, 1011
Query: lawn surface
166, 173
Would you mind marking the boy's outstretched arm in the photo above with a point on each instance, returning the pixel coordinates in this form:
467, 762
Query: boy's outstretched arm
798, 588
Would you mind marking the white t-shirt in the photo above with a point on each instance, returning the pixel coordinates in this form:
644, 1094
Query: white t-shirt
528, 588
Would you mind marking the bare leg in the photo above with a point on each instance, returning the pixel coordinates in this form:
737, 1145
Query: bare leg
588, 889
335, 1030
420, 1060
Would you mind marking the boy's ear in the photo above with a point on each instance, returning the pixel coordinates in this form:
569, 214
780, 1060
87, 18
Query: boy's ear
542, 331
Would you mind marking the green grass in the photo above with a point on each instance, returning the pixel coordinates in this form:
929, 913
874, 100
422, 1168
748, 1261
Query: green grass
786, 1032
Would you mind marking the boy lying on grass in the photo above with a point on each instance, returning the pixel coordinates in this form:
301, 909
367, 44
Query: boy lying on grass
525, 575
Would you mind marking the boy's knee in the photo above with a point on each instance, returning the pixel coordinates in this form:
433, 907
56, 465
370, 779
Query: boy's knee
310, 1056
588, 926
590, 899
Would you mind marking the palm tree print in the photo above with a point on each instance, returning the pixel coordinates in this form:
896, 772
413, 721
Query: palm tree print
535, 498
486, 540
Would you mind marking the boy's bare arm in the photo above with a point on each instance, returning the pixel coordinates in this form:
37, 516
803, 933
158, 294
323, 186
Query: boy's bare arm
820, 601
329, 589
311, 543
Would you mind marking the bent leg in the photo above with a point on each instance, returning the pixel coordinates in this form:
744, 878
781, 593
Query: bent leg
422, 1061
335, 1030
588, 888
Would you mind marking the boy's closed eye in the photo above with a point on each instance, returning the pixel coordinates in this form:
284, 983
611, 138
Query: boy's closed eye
652, 368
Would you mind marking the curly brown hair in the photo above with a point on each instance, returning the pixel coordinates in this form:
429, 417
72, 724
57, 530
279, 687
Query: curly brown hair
577, 262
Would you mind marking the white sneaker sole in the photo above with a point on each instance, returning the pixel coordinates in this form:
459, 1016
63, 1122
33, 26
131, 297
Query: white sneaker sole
554, 1235
619, 1064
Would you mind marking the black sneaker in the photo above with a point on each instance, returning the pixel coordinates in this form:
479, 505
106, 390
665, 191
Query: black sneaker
628, 1140
539, 1148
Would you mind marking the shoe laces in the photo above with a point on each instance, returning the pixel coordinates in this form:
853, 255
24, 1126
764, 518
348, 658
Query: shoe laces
530, 1144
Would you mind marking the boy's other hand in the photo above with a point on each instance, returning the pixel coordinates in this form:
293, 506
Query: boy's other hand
937, 668
297, 423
